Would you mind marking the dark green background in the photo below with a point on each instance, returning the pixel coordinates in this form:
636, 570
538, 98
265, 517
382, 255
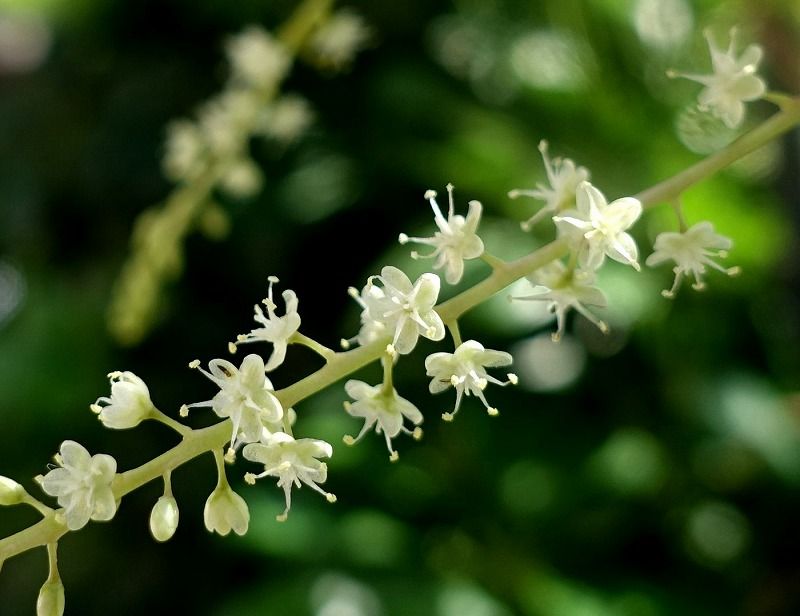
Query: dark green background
663, 481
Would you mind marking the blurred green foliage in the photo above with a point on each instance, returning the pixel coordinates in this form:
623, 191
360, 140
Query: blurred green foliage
649, 473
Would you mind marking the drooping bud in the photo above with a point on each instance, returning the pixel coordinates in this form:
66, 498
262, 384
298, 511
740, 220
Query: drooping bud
225, 510
51, 594
164, 518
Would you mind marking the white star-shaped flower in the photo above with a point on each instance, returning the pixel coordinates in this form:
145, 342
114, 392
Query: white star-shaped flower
465, 370
405, 311
293, 462
382, 408
597, 228
691, 251
245, 396
128, 404
82, 484
733, 81
275, 329
456, 240
564, 177
564, 288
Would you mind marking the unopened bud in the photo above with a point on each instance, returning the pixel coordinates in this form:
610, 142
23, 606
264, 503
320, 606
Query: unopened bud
11, 493
51, 598
164, 518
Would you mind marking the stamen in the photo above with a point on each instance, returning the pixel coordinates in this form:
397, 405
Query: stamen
232, 348
195, 363
250, 479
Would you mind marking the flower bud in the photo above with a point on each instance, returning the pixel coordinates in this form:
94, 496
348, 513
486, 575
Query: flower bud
164, 518
11, 493
51, 598
226, 510
128, 404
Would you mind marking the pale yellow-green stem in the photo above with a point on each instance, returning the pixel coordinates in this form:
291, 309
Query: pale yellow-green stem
339, 365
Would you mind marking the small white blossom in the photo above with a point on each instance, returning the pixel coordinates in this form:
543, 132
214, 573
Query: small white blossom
82, 485
245, 396
257, 58
164, 518
733, 81
286, 119
564, 288
128, 405
276, 330
226, 121
406, 311
241, 178
371, 330
564, 177
382, 408
456, 240
225, 510
184, 150
465, 370
597, 228
691, 251
293, 462
343, 35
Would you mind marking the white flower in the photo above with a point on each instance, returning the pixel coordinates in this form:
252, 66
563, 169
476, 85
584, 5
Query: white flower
340, 38
691, 251
293, 462
82, 485
564, 177
245, 396
598, 228
226, 121
164, 518
225, 510
276, 330
455, 241
183, 151
128, 405
405, 310
257, 58
286, 119
565, 288
241, 178
382, 408
371, 329
465, 370
732, 83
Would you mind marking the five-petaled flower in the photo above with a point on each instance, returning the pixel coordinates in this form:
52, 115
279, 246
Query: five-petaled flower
128, 404
732, 83
691, 251
400, 309
465, 370
564, 288
275, 329
564, 177
293, 462
382, 408
456, 240
245, 396
82, 485
597, 228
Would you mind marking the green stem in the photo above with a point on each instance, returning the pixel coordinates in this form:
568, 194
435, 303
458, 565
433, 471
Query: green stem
455, 332
320, 349
168, 421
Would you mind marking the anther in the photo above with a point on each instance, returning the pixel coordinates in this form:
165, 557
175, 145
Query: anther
232, 348
331, 498
250, 479
184, 411
493, 412
430, 194
402, 238
348, 440
417, 434
394, 456
447, 416
194, 363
